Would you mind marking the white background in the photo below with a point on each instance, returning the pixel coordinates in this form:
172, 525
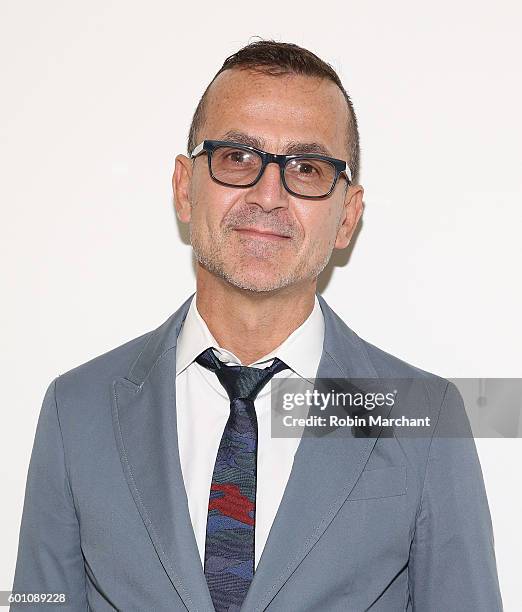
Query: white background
97, 98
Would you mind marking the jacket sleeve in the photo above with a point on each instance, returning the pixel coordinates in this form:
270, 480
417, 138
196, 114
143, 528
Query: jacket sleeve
452, 558
49, 553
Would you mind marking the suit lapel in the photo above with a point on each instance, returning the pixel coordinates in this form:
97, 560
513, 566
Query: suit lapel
324, 471
144, 419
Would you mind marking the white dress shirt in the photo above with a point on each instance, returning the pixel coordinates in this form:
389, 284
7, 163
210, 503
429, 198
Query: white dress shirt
203, 407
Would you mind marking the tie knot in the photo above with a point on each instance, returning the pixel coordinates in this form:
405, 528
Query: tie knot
240, 382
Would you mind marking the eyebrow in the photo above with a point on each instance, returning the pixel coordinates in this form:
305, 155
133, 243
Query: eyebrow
292, 147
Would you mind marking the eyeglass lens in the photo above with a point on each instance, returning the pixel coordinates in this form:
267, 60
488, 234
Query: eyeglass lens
304, 176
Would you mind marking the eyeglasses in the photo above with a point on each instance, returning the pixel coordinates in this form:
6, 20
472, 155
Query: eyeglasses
305, 175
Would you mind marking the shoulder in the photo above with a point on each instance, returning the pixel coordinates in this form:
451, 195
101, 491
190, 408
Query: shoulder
362, 355
343, 342
92, 380
387, 364
428, 385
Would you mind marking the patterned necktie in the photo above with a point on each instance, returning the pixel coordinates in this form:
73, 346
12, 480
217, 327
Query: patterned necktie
230, 543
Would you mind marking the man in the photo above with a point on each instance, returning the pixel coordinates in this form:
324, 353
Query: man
154, 482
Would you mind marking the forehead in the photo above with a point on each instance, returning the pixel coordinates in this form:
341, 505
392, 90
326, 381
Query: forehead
277, 110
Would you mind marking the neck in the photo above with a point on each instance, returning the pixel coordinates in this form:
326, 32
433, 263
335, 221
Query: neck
251, 324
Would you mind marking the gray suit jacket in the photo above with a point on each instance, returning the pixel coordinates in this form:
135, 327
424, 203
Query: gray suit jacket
382, 523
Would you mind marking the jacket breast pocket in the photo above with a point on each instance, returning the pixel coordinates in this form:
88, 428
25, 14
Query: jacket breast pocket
380, 482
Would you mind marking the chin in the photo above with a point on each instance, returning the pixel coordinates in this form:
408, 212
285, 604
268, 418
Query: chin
258, 282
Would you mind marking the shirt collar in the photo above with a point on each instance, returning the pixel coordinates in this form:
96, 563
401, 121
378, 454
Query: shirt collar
301, 351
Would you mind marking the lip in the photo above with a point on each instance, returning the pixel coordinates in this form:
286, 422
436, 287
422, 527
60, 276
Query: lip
255, 232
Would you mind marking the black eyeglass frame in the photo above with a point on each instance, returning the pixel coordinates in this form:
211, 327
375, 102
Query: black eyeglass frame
209, 146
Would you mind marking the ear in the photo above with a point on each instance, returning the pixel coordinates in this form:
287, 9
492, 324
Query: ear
352, 212
181, 180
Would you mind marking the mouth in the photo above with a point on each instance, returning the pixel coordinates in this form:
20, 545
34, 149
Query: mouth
261, 234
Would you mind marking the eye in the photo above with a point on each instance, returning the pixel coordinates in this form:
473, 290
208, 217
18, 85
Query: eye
306, 168
238, 157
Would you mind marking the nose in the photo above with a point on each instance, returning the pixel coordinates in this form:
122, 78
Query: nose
269, 192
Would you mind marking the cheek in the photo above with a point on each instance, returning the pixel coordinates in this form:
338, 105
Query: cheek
319, 221
210, 204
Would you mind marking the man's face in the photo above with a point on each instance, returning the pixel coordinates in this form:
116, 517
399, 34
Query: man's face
262, 238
